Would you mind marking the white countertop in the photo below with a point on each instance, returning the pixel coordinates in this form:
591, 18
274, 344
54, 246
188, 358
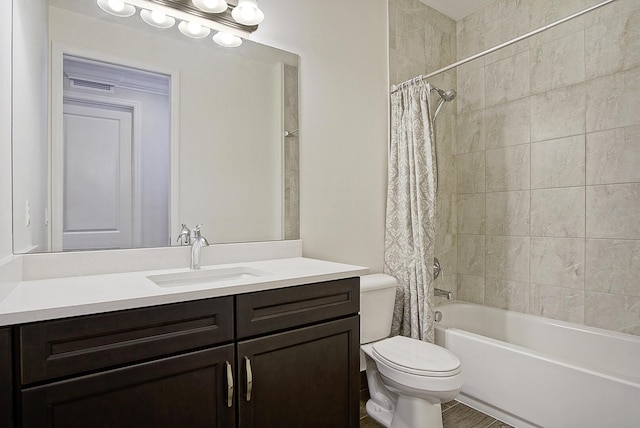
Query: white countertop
44, 299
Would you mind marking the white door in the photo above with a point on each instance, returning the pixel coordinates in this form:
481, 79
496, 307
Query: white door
97, 196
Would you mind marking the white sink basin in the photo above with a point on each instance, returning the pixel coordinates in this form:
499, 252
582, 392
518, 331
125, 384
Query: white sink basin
206, 276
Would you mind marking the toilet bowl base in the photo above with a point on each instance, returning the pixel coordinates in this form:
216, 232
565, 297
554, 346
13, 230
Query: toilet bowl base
379, 414
410, 412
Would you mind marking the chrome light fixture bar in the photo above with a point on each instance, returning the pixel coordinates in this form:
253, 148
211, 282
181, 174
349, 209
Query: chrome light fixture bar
196, 17
186, 11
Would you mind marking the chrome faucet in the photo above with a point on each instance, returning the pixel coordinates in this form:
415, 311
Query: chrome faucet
184, 238
197, 242
443, 293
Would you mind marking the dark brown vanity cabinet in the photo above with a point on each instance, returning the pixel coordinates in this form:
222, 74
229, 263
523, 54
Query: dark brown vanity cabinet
6, 379
280, 358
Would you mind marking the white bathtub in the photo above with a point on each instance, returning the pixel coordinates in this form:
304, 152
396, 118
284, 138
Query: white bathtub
531, 371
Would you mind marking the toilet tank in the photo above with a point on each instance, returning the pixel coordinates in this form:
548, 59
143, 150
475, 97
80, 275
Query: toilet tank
377, 299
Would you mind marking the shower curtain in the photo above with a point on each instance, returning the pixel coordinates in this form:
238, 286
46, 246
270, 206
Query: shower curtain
410, 220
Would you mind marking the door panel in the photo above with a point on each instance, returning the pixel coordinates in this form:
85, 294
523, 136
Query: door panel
302, 378
97, 177
188, 390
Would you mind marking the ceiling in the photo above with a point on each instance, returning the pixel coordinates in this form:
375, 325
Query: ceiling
457, 9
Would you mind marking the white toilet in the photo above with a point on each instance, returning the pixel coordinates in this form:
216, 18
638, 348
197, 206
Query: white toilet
408, 378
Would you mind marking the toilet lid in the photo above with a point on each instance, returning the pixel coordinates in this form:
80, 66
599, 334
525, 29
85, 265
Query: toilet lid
416, 357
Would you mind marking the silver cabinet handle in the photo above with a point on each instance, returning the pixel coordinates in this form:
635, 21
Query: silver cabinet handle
229, 385
247, 364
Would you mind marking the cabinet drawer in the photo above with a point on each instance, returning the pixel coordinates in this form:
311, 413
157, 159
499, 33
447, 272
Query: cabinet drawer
273, 310
71, 346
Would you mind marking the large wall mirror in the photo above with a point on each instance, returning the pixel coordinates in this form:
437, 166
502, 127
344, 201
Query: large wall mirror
122, 132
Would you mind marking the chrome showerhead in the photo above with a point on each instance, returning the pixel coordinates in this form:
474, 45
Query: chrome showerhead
448, 95
444, 97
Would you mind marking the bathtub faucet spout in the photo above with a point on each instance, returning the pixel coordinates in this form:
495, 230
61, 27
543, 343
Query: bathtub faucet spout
443, 293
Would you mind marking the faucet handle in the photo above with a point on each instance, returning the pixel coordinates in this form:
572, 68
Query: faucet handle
437, 269
195, 233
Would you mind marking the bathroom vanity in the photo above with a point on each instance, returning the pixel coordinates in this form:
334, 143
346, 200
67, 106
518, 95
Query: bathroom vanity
285, 354
6, 382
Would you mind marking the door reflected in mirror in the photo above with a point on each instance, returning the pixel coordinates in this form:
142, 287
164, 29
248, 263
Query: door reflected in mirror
109, 166
99, 163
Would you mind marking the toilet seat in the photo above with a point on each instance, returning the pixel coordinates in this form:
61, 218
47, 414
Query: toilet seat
416, 357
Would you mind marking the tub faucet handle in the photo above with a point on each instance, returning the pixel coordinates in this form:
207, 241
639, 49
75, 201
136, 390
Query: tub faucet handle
437, 269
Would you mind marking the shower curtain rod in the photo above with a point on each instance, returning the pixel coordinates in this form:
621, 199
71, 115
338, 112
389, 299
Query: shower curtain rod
394, 88
512, 41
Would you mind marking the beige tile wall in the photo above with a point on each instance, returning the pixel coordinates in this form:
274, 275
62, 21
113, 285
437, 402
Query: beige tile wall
291, 155
422, 40
548, 161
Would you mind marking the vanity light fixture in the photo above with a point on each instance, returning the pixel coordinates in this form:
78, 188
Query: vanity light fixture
197, 17
157, 18
227, 40
211, 6
193, 29
117, 8
248, 13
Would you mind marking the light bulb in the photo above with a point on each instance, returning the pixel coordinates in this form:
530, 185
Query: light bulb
211, 6
117, 8
116, 5
227, 40
158, 17
247, 12
194, 28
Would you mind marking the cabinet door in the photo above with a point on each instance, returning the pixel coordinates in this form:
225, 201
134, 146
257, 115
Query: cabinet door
308, 377
6, 394
188, 390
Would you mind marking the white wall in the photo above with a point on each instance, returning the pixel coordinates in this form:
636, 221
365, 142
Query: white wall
343, 121
30, 56
230, 165
5, 129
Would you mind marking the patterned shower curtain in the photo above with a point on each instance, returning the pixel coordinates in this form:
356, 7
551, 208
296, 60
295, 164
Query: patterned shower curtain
410, 221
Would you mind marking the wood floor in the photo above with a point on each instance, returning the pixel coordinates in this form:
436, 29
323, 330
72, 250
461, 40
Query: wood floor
454, 415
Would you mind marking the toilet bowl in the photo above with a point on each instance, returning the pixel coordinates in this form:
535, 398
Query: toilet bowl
408, 378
